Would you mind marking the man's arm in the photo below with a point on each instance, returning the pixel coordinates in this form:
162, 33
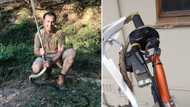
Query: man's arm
61, 41
58, 54
55, 58
60, 50
38, 51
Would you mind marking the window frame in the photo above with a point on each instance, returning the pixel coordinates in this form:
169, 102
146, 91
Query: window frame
172, 18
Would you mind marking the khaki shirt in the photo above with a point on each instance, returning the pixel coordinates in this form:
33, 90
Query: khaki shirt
50, 43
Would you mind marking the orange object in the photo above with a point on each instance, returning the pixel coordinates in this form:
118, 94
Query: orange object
162, 82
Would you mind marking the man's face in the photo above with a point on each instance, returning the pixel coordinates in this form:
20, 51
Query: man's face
49, 22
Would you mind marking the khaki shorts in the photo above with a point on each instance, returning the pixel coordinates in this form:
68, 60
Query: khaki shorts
66, 53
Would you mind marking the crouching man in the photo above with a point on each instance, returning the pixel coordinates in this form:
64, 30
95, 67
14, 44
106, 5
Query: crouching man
53, 43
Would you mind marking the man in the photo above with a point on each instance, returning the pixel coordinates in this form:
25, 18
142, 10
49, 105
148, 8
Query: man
53, 43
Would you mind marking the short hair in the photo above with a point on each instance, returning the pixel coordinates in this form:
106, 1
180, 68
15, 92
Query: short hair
50, 14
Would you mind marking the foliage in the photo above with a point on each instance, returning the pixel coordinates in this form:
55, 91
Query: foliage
87, 43
16, 51
86, 3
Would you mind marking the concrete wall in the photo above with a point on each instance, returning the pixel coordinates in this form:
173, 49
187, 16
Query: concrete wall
174, 44
110, 89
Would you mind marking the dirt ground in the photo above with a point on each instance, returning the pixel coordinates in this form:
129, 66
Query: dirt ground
23, 93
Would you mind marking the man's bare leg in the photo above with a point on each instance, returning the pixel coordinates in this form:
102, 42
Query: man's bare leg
36, 67
67, 63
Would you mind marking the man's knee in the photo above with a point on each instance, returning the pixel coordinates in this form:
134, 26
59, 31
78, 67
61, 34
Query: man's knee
36, 67
70, 59
71, 56
72, 53
69, 53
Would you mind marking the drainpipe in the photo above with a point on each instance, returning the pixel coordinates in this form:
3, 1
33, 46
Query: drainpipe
125, 40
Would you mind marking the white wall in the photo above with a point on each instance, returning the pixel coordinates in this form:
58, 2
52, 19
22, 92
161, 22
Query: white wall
173, 42
110, 88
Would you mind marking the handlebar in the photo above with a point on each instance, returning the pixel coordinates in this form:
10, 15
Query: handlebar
137, 20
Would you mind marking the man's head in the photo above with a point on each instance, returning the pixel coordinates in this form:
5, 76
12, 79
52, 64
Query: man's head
49, 19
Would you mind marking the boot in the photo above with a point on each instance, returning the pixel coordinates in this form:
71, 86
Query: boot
60, 80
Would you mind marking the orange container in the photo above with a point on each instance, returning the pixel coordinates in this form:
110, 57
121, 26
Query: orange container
161, 81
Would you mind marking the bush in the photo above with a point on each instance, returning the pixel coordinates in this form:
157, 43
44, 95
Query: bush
86, 3
87, 43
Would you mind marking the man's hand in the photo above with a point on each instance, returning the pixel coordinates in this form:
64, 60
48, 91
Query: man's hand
42, 51
60, 48
47, 64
